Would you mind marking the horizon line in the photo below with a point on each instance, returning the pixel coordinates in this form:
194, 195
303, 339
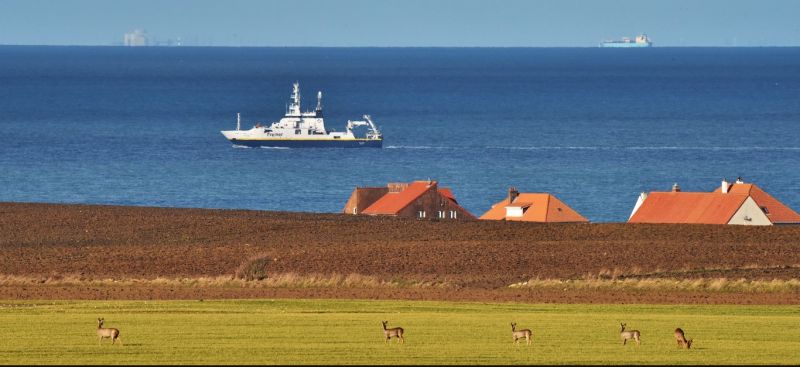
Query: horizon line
275, 46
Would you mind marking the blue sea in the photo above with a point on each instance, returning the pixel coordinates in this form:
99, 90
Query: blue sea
595, 127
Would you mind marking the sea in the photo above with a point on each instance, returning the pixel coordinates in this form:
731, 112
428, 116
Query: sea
595, 127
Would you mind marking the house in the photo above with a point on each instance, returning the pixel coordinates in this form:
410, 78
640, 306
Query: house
776, 211
418, 199
737, 203
533, 207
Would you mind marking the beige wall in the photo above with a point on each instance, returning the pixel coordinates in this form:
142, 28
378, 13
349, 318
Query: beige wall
363, 197
750, 210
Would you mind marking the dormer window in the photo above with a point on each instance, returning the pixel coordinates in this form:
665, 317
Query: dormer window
517, 210
765, 210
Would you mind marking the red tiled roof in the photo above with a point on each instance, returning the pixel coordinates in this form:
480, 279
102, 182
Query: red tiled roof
777, 212
542, 207
394, 202
688, 207
446, 192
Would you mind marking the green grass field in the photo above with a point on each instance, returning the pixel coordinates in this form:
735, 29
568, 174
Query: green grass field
349, 332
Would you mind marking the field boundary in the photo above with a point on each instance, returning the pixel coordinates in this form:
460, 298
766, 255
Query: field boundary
353, 280
282, 280
740, 285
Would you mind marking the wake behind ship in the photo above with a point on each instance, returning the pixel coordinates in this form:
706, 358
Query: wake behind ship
299, 129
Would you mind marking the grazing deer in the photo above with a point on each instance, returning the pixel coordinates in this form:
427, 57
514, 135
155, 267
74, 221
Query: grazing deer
393, 332
107, 333
630, 334
520, 334
681, 339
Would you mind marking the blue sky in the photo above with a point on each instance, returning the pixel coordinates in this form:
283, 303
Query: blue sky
401, 23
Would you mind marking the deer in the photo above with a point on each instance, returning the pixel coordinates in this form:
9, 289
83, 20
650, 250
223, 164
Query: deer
103, 333
681, 339
630, 334
393, 332
520, 334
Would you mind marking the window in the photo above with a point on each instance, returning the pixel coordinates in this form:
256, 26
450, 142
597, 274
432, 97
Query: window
298, 132
441, 214
765, 210
453, 214
355, 210
421, 214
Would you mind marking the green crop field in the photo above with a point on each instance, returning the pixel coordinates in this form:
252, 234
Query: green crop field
349, 332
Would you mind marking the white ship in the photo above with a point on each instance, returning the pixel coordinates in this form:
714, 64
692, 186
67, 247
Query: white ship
640, 41
299, 129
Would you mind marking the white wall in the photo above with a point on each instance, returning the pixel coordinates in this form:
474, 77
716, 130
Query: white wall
639, 202
514, 212
750, 210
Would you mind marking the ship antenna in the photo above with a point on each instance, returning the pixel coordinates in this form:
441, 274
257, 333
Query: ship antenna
319, 101
238, 121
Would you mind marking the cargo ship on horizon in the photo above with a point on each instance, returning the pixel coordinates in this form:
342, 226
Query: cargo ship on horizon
640, 41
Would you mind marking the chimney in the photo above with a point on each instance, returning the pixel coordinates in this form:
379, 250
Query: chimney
739, 180
512, 194
724, 186
676, 188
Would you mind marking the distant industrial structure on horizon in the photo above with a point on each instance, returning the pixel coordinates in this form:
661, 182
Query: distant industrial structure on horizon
136, 38
139, 37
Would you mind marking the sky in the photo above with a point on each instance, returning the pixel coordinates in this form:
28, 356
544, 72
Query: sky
402, 23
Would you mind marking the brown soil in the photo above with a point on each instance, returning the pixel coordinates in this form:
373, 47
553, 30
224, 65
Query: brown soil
467, 294
478, 259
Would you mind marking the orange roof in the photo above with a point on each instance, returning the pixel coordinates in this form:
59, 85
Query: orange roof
541, 207
446, 192
776, 211
688, 207
393, 202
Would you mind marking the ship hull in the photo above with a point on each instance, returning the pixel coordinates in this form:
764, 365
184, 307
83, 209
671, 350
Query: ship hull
309, 143
625, 45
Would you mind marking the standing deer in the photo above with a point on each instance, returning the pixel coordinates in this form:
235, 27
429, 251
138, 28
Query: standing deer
681, 339
107, 333
520, 334
393, 332
630, 334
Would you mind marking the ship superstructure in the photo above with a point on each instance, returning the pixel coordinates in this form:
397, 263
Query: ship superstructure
640, 41
304, 129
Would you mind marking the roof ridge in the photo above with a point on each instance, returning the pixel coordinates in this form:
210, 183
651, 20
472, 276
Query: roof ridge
547, 207
430, 185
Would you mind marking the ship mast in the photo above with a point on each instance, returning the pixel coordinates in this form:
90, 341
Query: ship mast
318, 110
294, 107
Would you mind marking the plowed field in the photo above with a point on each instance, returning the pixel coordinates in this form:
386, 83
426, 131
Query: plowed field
470, 260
